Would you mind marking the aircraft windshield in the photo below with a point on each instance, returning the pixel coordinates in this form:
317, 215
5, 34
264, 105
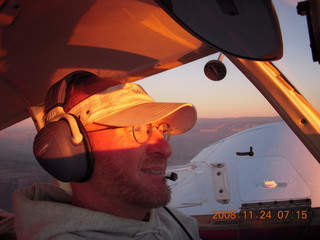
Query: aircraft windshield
297, 64
224, 107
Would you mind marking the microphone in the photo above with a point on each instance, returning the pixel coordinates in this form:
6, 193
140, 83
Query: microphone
173, 176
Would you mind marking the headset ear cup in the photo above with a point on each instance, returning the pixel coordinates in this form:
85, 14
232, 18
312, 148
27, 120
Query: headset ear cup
60, 156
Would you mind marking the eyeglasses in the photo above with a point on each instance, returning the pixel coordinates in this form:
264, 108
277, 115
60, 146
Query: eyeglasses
142, 133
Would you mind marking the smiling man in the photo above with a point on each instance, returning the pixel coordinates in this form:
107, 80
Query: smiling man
111, 141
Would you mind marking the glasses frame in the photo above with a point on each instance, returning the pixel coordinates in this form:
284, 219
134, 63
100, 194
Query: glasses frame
148, 132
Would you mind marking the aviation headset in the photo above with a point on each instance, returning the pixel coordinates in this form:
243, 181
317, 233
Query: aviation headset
62, 147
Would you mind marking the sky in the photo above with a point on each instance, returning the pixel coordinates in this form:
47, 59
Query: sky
235, 96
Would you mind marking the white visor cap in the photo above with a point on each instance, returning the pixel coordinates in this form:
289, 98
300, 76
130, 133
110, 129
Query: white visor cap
128, 104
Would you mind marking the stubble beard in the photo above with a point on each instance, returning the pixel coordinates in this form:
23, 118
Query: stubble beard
115, 182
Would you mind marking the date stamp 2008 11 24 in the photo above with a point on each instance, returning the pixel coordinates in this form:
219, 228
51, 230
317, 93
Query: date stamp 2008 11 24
279, 214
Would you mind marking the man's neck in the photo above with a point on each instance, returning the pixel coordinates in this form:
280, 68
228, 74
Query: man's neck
108, 204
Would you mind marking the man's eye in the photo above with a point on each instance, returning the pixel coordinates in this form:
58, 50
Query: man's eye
137, 128
165, 131
142, 129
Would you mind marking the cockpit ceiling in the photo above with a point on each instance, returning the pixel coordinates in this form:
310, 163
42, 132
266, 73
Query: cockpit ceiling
43, 40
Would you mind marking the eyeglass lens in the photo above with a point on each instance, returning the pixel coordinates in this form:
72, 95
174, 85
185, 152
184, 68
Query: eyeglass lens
143, 133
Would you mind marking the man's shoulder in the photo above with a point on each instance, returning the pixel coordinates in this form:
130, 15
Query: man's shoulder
42, 192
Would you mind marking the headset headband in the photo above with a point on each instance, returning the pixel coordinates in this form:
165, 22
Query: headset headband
56, 95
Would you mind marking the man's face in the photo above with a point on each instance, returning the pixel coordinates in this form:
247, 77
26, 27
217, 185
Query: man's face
129, 171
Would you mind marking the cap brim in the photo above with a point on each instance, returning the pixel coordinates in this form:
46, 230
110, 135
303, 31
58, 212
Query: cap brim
180, 116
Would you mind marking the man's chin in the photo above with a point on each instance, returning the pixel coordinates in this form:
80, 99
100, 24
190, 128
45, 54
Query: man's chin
153, 198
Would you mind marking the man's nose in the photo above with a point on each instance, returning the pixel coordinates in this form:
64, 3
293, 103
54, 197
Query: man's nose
159, 145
